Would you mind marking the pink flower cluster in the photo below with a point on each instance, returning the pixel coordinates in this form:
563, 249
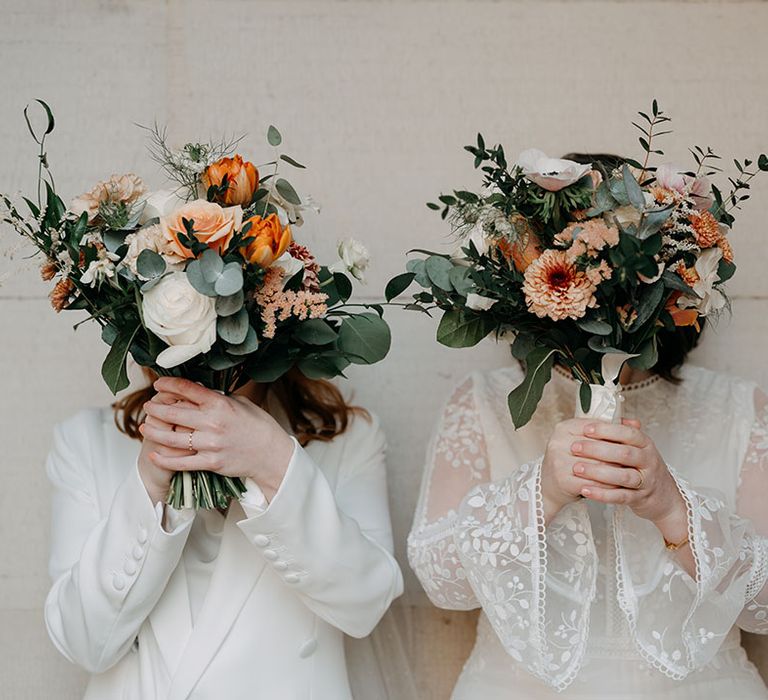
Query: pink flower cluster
278, 304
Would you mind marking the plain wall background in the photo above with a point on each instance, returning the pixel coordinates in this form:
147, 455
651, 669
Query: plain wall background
377, 98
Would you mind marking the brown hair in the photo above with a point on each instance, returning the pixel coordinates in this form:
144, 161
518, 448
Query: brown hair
315, 408
673, 345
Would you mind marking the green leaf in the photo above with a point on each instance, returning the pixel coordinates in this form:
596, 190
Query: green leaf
315, 331
461, 280
211, 265
397, 285
649, 303
522, 345
762, 162
525, 397
725, 270
230, 281
418, 268
222, 362
601, 344
438, 270
458, 329
635, 194
273, 136
673, 281
249, 345
150, 264
286, 191
270, 369
114, 370
585, 396
233, 329
198, 281
653, 221
292, 162
647, 357
343, 285
318, 368
228, 305
595, 326
364, 338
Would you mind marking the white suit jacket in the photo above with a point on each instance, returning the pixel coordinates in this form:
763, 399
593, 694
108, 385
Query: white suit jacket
316, 563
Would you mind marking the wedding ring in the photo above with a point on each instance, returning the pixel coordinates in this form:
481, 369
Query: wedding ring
191, 448
642, 479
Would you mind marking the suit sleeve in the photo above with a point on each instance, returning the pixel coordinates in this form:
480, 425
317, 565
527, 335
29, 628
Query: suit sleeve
108, 568
333, 547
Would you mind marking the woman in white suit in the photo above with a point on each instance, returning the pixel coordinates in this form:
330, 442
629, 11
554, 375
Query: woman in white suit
251, 603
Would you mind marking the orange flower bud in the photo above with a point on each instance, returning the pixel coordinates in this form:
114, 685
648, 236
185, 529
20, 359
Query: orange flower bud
271, 240
242, 180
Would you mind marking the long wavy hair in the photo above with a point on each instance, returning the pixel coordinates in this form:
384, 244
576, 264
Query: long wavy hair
673, 345
315, 408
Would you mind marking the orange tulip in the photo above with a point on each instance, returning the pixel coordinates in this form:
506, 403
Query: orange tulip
242, 180
521, 252
681, 317
271, 240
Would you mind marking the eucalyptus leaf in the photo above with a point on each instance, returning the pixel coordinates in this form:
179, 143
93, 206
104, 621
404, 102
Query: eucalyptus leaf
230, 281
249, 345
595, 326
273, 136
233, 329
198, 281
601, 344
270, 369
231, 304
292, 161
461, 280
653, 221
211, 265
222, 362
318, 368
364, 338
634, 192
418, 268
286, 191
458, 329
315, 331
150, 264
438, 270
525, 397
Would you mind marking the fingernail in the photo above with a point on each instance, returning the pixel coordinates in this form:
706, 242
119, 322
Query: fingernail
576, 447
590, 429
578, 468
585, 492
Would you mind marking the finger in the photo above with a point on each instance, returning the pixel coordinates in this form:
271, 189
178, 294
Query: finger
627, 478
173, 414
606, 495
632, 422
184, 463
602, 451
169, 438
191, 391
164, 397
613, 432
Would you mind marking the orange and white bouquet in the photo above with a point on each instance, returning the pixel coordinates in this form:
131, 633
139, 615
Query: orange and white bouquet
584, 263
204, 280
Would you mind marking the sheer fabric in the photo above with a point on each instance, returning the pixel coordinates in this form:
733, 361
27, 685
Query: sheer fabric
479, 538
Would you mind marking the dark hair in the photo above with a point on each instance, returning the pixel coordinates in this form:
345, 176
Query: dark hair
675, 345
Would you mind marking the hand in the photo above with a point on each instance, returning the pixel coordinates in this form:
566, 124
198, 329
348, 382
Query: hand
631, 472
560, 484
230, 435
157, 480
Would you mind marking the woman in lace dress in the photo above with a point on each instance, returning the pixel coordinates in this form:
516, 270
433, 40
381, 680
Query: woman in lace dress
610, 561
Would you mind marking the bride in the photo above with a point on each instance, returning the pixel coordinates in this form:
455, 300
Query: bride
610, 561
248, 603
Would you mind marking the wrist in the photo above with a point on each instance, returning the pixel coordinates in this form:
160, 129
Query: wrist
270, 476
673, 526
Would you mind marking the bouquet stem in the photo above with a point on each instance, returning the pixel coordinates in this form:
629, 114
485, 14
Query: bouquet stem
203, 490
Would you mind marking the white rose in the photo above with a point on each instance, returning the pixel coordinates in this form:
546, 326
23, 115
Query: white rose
160, 203
288, 264
355, 259
551, 174
477, 302
709, 299
182, 317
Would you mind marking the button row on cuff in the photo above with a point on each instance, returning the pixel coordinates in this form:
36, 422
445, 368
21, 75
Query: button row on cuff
131, 566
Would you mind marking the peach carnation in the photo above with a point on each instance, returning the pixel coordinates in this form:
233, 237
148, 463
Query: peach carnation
118, 189
554, 287
588, 237
706, 229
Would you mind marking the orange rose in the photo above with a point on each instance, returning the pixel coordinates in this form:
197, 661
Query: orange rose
271, 240
213, 225
242, 180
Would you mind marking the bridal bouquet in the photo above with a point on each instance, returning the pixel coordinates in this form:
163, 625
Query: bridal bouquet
579, 262
203, 280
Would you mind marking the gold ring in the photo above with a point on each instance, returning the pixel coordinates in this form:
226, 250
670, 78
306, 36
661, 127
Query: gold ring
642, 479
191, 433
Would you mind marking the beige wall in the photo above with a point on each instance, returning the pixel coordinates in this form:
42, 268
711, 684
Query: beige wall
378, 98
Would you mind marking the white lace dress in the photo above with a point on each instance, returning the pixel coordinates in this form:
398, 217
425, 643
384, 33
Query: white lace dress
593, 605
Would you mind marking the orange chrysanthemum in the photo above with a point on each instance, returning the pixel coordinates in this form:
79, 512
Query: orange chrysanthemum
688, 274
706, 229
48, 270
61, 292
554, 287
725, 245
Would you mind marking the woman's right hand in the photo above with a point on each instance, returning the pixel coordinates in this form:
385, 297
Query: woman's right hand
157, 480
559, 485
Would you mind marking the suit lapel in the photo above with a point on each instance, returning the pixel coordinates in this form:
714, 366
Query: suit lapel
237, 569
170, 619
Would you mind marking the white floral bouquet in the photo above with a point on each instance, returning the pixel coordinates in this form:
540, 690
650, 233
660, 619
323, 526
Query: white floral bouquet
203, 280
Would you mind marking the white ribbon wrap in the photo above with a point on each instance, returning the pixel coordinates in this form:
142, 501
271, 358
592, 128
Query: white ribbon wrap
606, 400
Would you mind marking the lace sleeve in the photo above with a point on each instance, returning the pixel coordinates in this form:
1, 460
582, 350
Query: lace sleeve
677, 621
456, 462
751, 505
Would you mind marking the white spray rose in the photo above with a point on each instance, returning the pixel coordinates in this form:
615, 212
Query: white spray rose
552, 174
160, 203
288, 264
355, 259
182, 317
477, 302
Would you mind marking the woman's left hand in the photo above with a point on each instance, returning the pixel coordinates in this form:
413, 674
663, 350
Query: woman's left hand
230, 434
626, 460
